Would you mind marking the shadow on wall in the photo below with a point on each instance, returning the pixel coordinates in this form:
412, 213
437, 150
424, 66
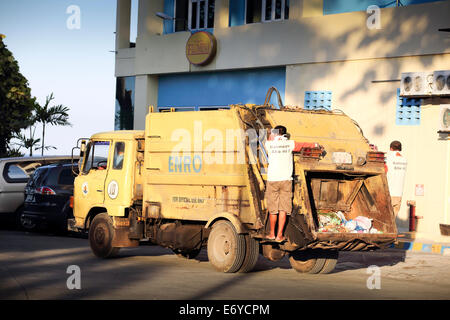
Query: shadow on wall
401, 31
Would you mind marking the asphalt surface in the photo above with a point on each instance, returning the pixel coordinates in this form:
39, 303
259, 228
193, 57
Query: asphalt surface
34, 266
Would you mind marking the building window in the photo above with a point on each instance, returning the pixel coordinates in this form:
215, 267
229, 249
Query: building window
408, 111
124, 113
316, 100
266, 10
188, 15
201, 14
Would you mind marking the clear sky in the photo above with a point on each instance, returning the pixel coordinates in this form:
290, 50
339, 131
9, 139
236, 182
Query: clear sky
74, 64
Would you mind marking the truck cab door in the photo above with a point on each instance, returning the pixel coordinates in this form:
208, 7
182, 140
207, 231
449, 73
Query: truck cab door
90, 184
119, 182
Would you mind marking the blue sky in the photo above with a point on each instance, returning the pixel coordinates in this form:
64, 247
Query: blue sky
75, 65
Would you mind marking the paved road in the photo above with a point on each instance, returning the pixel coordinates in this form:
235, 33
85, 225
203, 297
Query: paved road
33, 266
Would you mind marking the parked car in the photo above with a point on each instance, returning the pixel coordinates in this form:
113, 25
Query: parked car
47, 198
14, 175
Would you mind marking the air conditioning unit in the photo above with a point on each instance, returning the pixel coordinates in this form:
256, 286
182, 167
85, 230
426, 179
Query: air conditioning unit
444, 118
416, 84
441, 83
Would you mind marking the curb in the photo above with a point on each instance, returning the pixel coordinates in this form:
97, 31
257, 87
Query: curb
422, 247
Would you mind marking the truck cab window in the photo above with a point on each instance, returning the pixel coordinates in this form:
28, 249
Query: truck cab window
119, 152
96, 156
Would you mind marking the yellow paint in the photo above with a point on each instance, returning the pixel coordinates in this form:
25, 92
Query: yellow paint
194, 167
312, 8
436, 248
201, 48
417, 246
91, 188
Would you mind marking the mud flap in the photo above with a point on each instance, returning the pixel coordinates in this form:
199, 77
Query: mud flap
121, 238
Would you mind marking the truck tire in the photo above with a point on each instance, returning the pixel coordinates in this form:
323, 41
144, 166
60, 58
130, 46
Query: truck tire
307, 261
251, 254
101, 235
330, 262
226, 248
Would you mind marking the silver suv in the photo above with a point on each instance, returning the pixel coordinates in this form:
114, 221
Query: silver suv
14, 175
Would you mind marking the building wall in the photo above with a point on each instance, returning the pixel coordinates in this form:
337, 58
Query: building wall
405, 31
373, 106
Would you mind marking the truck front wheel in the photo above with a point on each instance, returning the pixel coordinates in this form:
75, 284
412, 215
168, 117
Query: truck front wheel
307, 261
101, 235
226, 248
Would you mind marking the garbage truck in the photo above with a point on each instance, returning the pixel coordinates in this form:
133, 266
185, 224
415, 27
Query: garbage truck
197, 179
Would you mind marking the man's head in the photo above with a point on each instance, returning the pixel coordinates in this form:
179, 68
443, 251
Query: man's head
279, 131
396, 146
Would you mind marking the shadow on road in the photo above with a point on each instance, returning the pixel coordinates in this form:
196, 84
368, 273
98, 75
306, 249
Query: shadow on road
362, 260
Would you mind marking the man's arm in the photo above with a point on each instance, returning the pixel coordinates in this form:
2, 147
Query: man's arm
300, 145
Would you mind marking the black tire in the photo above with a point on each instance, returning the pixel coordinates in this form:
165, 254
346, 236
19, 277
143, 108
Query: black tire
187, 254
226, 248
251, 254
25, 224
307, 261
330, 262
101, 235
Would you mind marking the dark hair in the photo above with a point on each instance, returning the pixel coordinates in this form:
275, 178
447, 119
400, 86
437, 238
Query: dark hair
396, 145
281, 130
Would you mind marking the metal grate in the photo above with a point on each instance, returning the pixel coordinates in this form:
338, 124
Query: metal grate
315, 100
408, 111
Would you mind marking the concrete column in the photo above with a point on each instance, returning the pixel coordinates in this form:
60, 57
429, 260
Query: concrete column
146, 94
311, 8
221, 14
123, 21
296, 9
148, 22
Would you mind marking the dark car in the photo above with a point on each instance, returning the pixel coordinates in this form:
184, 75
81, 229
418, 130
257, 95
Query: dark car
47, 198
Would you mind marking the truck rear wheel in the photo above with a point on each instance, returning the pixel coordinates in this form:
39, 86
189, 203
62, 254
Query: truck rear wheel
226, 248
101, 235
307, 261
330, 262
251, 254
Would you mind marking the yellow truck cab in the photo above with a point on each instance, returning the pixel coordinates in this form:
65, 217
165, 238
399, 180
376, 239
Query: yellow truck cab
197, 179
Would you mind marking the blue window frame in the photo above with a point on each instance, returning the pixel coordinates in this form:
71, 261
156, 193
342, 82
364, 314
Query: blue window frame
408, 111
315, 100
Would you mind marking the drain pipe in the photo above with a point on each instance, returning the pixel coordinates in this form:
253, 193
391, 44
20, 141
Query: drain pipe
412, 215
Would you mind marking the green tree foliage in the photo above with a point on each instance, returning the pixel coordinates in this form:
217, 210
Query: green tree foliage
16, 103
29, 143
50, 115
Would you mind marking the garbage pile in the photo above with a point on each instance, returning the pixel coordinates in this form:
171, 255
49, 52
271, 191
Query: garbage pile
337, 223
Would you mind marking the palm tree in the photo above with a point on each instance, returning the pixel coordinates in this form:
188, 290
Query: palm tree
30, 143
54, 115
